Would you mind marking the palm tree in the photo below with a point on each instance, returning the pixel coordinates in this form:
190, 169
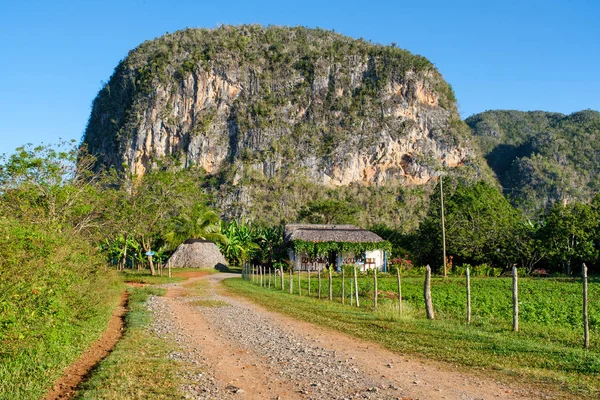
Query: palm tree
240, 242
200, 223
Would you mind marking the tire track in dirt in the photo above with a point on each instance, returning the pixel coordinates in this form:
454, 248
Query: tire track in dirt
77, 372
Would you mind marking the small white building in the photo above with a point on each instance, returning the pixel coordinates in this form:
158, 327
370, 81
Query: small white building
347, 245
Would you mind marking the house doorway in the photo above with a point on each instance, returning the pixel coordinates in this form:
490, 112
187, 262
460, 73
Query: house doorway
332, 259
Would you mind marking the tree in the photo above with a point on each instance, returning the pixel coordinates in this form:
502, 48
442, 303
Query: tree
328, 212
201, 222
240, 245
148, 208
480, 226
569, 232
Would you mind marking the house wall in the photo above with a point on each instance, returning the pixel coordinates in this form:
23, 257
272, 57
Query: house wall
378, 256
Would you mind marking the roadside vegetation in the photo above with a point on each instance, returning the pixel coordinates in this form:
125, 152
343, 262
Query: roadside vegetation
139, 366
56, 294
547, 350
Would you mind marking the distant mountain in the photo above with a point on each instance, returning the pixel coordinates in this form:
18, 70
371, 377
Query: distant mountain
541, 157
280, 116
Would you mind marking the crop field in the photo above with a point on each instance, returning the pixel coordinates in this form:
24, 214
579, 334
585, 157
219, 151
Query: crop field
547, 350
549, 308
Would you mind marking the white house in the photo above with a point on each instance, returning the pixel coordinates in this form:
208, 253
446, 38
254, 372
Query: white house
344, 244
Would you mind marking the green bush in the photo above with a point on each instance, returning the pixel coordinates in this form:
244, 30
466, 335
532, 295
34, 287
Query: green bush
55, 299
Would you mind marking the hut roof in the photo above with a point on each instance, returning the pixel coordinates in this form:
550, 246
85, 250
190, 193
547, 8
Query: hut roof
194, 253
329, 233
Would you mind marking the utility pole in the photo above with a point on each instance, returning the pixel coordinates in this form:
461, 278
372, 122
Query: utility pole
443, 225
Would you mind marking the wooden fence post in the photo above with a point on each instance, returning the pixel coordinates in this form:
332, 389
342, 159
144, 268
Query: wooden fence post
343, 287
468, 295
308, 272
351, 292
427, 293
262, 275
375, 288
169, 266
515, 295
291, 281
282, 279
356, 287
586, 322
269, 277
330, 284
319, 284
299, 284
399, 290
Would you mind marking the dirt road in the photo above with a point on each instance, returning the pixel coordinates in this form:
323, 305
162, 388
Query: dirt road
247, 352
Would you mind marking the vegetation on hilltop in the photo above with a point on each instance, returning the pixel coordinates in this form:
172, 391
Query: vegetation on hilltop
541, 158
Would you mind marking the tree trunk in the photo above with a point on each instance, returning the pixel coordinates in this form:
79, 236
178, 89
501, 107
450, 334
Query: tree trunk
124, 259
427, 293
146, 244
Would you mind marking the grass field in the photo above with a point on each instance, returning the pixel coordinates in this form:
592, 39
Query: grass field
546, 351
138, 367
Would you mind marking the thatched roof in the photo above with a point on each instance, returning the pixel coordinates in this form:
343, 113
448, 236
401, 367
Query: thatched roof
196, 253
329, 233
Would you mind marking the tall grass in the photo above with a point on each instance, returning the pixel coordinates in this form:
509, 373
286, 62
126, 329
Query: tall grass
55, 299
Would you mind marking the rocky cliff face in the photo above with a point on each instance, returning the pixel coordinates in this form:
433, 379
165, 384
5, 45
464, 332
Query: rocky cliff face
270, 102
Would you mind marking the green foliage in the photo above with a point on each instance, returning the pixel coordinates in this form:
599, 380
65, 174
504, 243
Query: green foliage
200, 222
55, 299
541, 158
240, 245
480, 226
328, 212
569, 234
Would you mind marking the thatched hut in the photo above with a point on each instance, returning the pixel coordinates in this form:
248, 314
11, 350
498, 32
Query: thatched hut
313, 247
196, 253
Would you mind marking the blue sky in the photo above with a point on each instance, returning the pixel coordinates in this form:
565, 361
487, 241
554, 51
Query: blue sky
524, 55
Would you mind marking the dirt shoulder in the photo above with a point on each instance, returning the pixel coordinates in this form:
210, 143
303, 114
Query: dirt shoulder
77, 372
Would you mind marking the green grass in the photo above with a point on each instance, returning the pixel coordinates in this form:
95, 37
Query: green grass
145, 277
138, 367
56, 299
209, 303
541, 353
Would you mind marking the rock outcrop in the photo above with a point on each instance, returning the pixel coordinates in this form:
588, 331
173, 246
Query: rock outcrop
248, 100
